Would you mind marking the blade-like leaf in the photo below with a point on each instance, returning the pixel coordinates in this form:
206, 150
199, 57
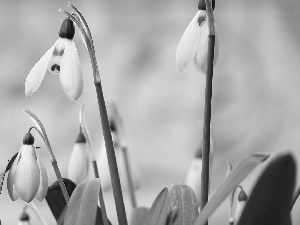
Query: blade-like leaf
242, 169
183, 199
55, 198
82, 208
138, 215
159, 210
271, 198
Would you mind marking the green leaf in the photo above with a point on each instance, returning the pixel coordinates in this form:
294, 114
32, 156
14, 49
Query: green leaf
159, 210
242, 169
184, 201
138, 215
82, 208
271, 198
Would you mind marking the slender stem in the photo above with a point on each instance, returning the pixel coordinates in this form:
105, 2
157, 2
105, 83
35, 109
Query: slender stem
111, 157
60, 181
37, 213
295, 197
2, 175
101, 198
129, 177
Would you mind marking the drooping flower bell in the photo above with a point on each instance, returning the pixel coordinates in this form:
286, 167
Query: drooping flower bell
194, 43
27, 178
62, 59
78, 167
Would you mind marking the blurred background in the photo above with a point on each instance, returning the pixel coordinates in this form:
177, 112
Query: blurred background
256, 92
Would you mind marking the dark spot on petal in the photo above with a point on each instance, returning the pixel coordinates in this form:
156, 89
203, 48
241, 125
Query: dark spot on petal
61, 52
58, 67
53, 67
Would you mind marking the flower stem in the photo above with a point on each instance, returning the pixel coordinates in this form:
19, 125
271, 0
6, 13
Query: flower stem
207, 108
101, 198
111, 157
37, 213
60, 181
129, 177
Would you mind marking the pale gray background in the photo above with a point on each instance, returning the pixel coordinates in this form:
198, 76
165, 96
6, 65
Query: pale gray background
256, 93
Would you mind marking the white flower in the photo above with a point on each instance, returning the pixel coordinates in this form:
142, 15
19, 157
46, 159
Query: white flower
78, 167
27, 177
62, 58
194, 44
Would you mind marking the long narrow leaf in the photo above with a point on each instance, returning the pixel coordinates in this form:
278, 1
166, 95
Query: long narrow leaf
159, 210
242, 169
271, 198
82, 208
184, 201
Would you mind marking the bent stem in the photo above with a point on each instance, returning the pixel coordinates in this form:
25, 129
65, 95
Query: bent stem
42, 132
37, 213
111, 157
207, 107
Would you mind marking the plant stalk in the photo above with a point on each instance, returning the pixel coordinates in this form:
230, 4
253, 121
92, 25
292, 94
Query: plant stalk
60, 181
101, 198
111, 157
129, 177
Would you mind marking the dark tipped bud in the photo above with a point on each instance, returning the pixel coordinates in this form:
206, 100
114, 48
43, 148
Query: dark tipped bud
24, 217
242, 197
67, 29
112, 126
80, 138
199, 153
28, 139
202, 5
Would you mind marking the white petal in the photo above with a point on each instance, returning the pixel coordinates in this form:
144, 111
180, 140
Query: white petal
70, 72
27, 175
78, 163
10, 180
37, 73
43, 188
188, 43
200, 59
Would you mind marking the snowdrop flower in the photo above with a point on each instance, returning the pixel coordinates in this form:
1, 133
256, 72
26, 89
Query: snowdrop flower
78, 167
194, 44
62, 59
27, 178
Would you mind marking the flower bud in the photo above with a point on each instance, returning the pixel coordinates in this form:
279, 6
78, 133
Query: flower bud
67, 29
79, 161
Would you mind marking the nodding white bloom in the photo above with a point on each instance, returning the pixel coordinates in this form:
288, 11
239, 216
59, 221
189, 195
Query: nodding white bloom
78, 167
194, 44
27, 178
193, 175
62, 59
